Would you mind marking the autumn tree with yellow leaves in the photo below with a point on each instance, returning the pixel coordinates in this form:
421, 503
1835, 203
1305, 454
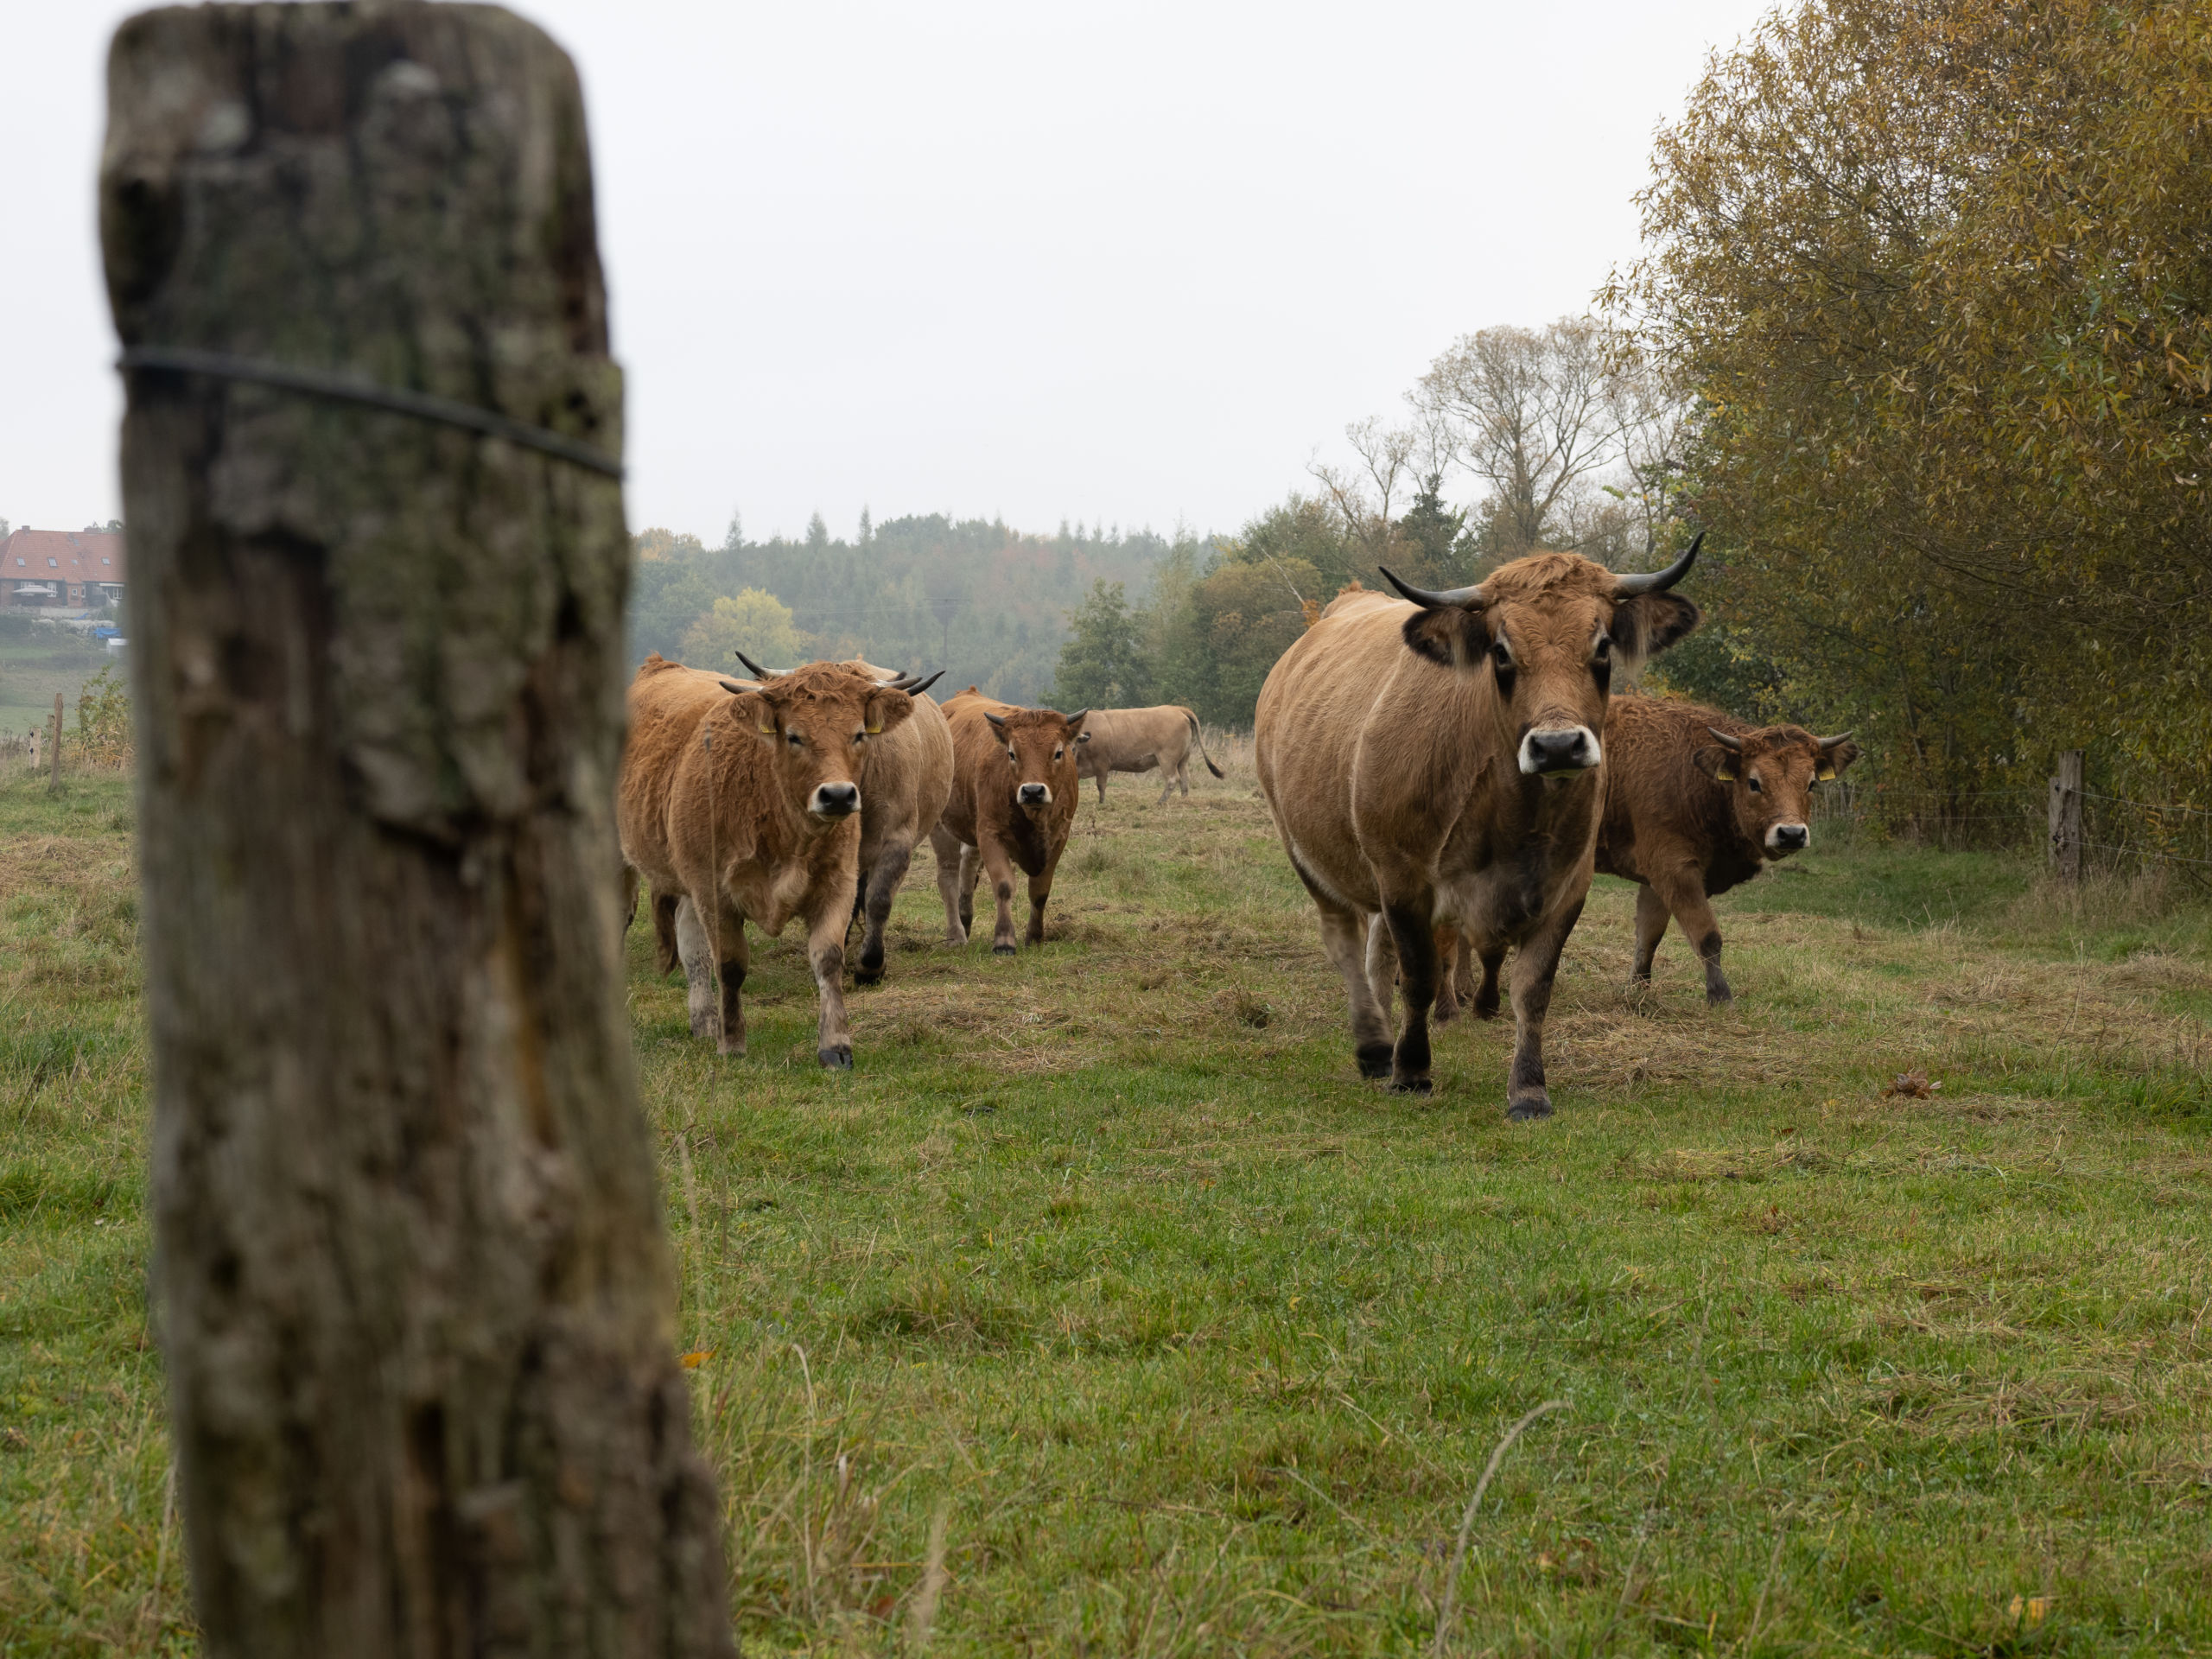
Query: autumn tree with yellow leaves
1937, 278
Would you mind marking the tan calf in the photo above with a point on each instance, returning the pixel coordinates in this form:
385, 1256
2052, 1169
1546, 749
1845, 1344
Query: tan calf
1698, 802
743, 804
1137, 740
1014, 797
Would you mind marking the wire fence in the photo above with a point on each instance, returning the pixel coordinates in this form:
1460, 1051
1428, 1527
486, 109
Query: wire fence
2120, 834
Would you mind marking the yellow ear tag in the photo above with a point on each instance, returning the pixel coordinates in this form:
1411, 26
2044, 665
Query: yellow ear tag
1726, 774
874, 730
1824, 773
767, 728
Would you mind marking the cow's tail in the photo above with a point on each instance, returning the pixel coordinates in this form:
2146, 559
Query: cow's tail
1199, 738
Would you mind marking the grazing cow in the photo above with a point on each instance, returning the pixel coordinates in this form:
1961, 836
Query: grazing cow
743, 804
1695, 803
1014, 797
1137, 740
909, 775
1438, 763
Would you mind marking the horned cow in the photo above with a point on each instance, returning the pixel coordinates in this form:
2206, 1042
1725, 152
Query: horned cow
1698, 802
909, 776
1438, 762
1013, 800
742, 803
1137, 740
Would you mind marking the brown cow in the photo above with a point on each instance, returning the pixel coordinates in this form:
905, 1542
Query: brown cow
742, 803
1014, 797
1137, 740
1696, 802
909, 776
1438, 763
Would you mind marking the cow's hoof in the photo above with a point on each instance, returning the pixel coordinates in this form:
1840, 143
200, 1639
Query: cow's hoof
1719, 998
1373, 1061
866, 975
1486, 1010
1004, 950
1411, 1086
839, 1058
1523, 1111
735, 1050
706, 1025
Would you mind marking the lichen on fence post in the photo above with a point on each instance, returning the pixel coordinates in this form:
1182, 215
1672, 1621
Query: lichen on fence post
418, 1310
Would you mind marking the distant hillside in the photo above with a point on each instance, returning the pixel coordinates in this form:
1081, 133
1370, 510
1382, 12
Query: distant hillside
986, 603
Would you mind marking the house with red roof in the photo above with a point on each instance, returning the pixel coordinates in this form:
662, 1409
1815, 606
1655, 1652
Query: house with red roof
60, 570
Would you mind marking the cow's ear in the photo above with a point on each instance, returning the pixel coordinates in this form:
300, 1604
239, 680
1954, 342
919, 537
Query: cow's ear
1836, 753
885, 709
752, 711
1647, 625
1715, 762
1083, 737
1450, 634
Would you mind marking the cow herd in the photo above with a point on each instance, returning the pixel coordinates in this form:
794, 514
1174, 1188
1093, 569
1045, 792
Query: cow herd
1447, 772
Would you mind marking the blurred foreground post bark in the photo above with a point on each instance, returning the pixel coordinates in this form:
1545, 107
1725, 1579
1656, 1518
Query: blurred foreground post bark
418, 1310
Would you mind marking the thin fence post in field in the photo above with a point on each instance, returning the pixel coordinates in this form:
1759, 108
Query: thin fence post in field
418, 1307
54, 778
2065, 854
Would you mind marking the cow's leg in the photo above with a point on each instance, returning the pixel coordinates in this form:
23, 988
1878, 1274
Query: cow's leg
1533, 969
1414, 932
1486, 994
1450, 952
665, 951
950, 851
971, 870
825, 954
1102, 789
1344, 941
1000, 870
732, 959
880, 887
1682, 892
1167, 786
1040, 889
1382, 966
1650, 928
696, 952
629, 897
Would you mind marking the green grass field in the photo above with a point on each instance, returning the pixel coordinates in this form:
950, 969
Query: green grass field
34, 664
1104, 1262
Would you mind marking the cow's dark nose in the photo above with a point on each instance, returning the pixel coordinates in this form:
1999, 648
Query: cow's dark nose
1569, 748
1791, 837
837, 800
1033, 795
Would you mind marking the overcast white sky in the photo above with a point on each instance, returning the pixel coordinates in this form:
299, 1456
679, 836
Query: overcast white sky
1128, 262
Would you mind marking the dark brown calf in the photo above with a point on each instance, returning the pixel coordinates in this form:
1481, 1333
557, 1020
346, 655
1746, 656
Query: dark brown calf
1698, 802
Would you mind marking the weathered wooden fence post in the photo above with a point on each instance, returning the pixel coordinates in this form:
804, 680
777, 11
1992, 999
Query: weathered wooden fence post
2066, 817
418, 1307
53, 780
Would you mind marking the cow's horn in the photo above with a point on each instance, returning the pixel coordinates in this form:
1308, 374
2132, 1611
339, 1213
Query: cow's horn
1733, 745
1434, 601
1658, 581
759, 672
1076, 720
1830, 742
998, 721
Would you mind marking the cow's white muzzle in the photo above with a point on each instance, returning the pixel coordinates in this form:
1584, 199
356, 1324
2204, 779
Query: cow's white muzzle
1783, 839
834, 800
1033, 795
1550, 750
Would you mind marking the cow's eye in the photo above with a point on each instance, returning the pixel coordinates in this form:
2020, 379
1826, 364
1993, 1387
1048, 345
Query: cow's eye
1604, 647
796, 740
859, 737
1057, 753
1012, 756
1754, 784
